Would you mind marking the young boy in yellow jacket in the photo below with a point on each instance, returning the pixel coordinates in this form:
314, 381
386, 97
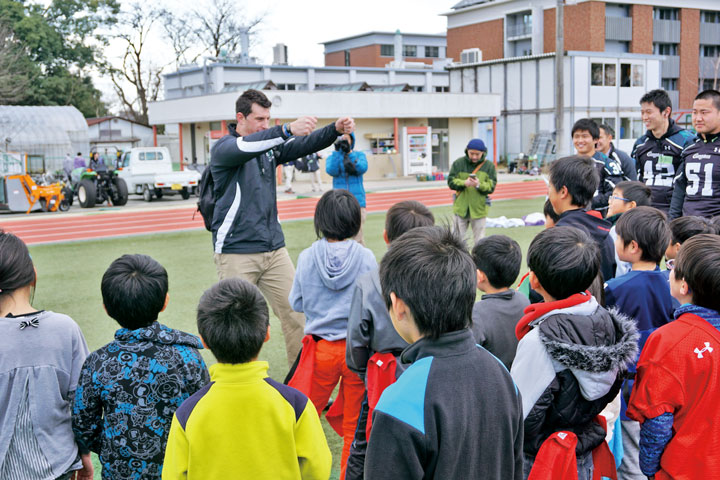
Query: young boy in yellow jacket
243, 424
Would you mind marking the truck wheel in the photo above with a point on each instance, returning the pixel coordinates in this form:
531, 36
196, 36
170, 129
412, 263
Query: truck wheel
158, 193
147, 194
119, 193
184, 193
87, 193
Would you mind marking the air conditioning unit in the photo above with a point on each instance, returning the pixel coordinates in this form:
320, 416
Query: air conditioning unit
471, 55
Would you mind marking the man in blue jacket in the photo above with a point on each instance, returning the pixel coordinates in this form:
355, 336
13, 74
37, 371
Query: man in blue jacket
347, 168
247, 238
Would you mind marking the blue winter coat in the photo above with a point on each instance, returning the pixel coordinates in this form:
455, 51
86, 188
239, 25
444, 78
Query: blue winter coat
341, 180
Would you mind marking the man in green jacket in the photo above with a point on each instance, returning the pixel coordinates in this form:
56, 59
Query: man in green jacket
474, 178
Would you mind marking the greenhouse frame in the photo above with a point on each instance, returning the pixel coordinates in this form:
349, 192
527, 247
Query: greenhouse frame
37, 139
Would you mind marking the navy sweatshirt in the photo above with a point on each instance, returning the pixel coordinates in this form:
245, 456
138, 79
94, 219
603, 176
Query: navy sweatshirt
454, 413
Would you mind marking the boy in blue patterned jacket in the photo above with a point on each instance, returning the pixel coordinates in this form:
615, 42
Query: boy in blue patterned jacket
129, 389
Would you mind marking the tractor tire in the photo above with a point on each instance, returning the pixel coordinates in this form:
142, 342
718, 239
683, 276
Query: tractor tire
87, 193
185, 193
147, 194
120, 192
158, 193
68, 194
64, 205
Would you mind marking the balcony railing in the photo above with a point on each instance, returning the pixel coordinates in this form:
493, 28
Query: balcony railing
707, 67
519, 30
666, 31
670, 67
674, 98
618, 28
709, 33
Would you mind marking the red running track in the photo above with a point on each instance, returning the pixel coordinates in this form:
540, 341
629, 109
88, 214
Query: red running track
119, 223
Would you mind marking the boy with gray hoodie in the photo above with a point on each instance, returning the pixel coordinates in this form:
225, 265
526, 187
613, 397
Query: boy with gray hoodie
322, 290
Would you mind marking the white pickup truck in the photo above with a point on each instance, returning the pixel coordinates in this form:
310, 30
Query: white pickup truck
148, 172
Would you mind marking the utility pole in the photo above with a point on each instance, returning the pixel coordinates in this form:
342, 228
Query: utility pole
560, 140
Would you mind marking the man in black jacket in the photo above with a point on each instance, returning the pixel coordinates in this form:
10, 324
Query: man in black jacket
247, 237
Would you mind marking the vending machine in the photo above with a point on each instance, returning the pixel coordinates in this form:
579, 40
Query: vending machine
417, 150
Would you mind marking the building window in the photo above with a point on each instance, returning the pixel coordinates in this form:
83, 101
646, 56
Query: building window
710, 84
286, 86
711, 17
409, 51
432, 52
665, 14
617, 10
603, 74
215, 125
631, 75
630, 128
665, 48
710, 50
442, 89
387, 50
347, 58
669, 84
609, 121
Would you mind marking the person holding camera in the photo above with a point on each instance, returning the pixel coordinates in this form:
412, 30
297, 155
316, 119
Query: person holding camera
347, 168
473, 178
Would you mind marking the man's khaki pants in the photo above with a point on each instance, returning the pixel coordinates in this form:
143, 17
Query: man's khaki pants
478, 227
273, 273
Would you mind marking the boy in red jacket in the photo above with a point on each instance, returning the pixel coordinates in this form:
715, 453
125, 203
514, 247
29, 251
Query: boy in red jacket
677, 384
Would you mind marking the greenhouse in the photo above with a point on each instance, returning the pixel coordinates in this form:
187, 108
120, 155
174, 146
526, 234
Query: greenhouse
37, 139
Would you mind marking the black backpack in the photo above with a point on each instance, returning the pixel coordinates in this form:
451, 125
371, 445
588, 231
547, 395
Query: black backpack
206, 203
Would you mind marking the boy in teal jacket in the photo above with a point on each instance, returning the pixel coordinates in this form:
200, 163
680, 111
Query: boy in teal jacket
474, 178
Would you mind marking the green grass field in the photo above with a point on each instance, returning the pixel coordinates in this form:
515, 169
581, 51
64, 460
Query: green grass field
69, 278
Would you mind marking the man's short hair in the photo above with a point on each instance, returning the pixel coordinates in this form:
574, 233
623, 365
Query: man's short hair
232, 318
430, 269
710, 94
245, 101
648, 227
657, 97
565, 261
406, 215
635, 191
607, 129
698, 263
550, 212
586, 125
499, 257
337, 215
578, 174
134, 289
684, 228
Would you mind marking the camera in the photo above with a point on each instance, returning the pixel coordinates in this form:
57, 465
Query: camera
343, 145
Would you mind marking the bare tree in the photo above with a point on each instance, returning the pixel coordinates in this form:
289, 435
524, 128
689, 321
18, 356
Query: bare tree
137, 81
14, 76
221, 27
180, 33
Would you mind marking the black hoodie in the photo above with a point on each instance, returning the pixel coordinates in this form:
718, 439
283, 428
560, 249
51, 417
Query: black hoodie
599, 230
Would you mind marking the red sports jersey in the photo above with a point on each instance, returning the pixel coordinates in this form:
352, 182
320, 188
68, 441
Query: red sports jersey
679, 373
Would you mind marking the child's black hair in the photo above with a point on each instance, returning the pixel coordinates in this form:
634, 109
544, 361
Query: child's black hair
587, 125
578, 174
134, 289
16, 267
406, 215
684, 228
232, 318
565, 261
648, 227
659, 98
549, 212
698, 263
337, 215
499, 257
430, 269
636, 192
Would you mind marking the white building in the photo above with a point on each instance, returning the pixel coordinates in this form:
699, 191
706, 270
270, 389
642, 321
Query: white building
603, 86
117, 133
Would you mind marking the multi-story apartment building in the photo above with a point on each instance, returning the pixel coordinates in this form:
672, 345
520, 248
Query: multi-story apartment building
686, 33
378, 49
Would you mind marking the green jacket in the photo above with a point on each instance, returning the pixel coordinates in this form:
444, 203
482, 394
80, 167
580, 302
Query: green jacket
471, 200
